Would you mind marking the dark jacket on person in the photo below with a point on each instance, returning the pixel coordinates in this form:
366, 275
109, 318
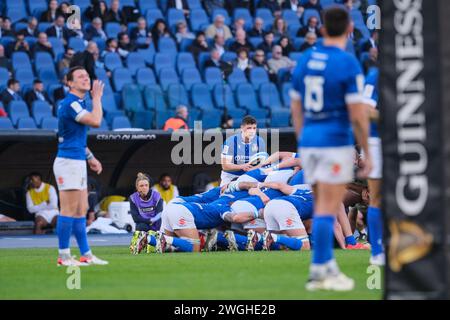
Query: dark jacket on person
31, 96
86, 60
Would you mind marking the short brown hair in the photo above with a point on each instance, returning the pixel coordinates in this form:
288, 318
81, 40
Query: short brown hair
72, 71
248, 120
336, 21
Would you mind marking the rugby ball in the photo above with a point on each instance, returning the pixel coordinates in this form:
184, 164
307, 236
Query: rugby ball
258, 158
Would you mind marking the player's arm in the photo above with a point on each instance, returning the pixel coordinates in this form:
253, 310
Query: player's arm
283, 187
94, 118
94, 164
257, 192
228, 165
241, 217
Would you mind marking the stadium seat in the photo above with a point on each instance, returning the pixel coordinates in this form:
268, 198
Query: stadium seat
246, 98
77, 44
243, 13
185, 60
258, 76
168, 76
167, 45
223, 96
298, 41
103, 127
18, 26
176, 95
130, 3
6, 41
190, 76
210, 120
5, 124
213, 76
194, 4
173, 17
20, 60
57, 46
194, 115
148, 53
308, 13
24, 76
48, 76
228, 56
280, 118
236, 77
291, 18
295, 56
4, 77
154, 98
267, 17
120, 122
185, 44
292, 30
40, 109
255, 41
83, 4
16, 14
201, 97
163, 61
112, 61
161, 117
121, 77
198, 20
43, 26
145, 5
112, 29
285, 88
135, 61
283, 75
145, 76
153, 15
131, 98
269, 96
201, 59
223, 13
49, 123
26, 123
110, 107
43, 60
37, 5
143, 119
101, 43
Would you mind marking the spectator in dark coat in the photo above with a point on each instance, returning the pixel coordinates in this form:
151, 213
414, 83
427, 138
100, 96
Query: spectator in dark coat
20, 45
214, 61
95, 30
180, 5
257, 30
11, 93
199, 45
141, 32
51, 13
272, 5
4, 61
314, 4
160, 30
60, 31
31, 29
268, 43
241, 42
286, 46
312, 26
43, 45
61, 92
97, 9
37, 93
310, 42
86, 59
114, 14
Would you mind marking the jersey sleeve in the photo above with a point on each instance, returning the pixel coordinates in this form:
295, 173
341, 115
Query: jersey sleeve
76, 111
228, 148
354, 82
370, 94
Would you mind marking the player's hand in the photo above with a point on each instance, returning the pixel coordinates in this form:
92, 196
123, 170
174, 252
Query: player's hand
365, 167
97, 89
267, 171
247, 167
223, 188
95, 165
254, 191
365, 195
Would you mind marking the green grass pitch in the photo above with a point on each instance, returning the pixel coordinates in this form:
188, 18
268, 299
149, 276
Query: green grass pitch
32, 274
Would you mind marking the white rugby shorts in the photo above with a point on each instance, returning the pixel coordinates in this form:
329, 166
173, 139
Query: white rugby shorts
70, 174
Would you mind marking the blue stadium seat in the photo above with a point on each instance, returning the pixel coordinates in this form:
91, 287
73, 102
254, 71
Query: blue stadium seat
132, 98
40, 109
255, 41
121, 77
185, 44
174, 16
37, 5
101, 43
77, 44
112, 61
246, 98
228, 56
283, 75
26, 123
43, 26
190, 76
201, 97
223, 96
20, 26
130, 3
163, 61
154, 98
25, 76
199, 19
57, 46
145, 5
16, 4
153, 15
292, 30
110, 107
6, 41
291, 18
194, 115
244, 14
20, 60
280, 118
5, 124
148, 53
145, 76
162, 116
112, 29
185, 60
285, 88
135, 61
194, 4
298, 41
143, 119
236, 77
269, 96
167, 45
295, 56
176, 95
168, 76
49, 123
223, 13
103, 127
16, 14
101, 74
308, 13
43, 60
201, 59
267, 17
213, 76
120, 122
48, 76
83, 4
258, 76
210, 120
4, 77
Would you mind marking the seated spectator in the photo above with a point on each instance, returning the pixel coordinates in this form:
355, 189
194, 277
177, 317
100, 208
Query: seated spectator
310, 42
355, 35
61, 92
4, 218
3, 113
64, 9
218, 27
43, 45
312, 26
348, 4
5, 28
59, 30
51, 13
286, 46
111, 46
226, 122
125, 45
93, 201
314, 4
219, 44
279, 28
180, 5
267, 44
146, 205
37, 93
238, 24
166, 188
31, 29
160, 30
4, 61
86, 59
64, 63
259, 60
76, 30
11, 93
183, 32
293, 5
211, 5
97, 9
114, 14
178, 121
372, 61
95, 30
272, 5
215, 61
242, 61
233, 4
141, 32
42, 201
372, 42
257, 29
278, 61
20, 45
241, 42
199, 45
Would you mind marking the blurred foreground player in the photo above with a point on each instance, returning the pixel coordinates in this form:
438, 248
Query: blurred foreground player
326, 101
70, 164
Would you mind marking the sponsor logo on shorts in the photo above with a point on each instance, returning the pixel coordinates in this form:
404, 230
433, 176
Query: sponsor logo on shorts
335, 168
182, 222
289, 222
60, 180
252, 221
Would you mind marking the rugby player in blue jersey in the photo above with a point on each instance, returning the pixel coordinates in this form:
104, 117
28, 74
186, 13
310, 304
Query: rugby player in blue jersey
326, 103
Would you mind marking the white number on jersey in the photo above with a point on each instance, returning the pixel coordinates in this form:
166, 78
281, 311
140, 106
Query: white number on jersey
314, 93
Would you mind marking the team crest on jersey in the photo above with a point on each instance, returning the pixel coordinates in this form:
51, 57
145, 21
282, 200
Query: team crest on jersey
182, 222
